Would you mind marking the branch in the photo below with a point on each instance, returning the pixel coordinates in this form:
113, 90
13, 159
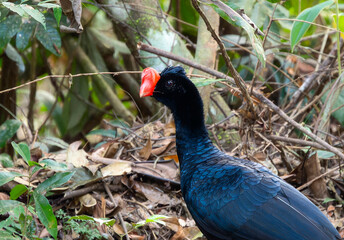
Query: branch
262, 98
68, 76
237, 78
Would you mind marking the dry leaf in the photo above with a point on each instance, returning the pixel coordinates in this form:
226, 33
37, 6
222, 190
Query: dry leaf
169, 129
76, 157
166, 169
151, 193
118, 168
87, 200
145, 152
167, 145
4, 196
174, 157
118, 229
73, 10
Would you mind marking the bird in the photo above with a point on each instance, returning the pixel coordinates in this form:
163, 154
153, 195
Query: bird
229, 197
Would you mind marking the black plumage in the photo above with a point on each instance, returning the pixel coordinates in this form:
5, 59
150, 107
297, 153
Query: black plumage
228, 197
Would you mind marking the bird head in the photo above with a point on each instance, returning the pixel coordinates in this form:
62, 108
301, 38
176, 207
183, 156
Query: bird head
171, 87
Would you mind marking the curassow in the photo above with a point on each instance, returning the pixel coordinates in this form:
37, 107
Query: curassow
228, 197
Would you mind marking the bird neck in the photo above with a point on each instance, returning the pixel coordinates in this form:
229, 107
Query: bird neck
189, 118
191, 134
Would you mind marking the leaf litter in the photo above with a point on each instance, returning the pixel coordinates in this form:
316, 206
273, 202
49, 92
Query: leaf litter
134, 175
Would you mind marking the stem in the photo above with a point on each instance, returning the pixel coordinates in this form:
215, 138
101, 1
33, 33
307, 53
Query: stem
260, 97
33, 87
338, 40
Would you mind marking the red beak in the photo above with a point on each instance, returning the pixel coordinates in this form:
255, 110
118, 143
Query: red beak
149, 79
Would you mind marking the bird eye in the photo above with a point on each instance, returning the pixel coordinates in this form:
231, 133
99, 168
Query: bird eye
169, 83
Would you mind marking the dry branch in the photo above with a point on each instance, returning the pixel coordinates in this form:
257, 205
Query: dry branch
262, 99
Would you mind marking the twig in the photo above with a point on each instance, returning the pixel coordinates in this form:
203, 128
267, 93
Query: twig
108, 191
294, 141
263, 43
82, 191
259, 96
237, 78
67, 76
310, 81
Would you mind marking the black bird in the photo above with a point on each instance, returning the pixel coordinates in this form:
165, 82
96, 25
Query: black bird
228, 197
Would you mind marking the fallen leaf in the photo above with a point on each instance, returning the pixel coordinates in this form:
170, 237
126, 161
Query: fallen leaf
118, 168
174, 157
76, 157
167, 169
145, 152
167, 144
4, 196
118, 229
169, 129
151, 193
87, 200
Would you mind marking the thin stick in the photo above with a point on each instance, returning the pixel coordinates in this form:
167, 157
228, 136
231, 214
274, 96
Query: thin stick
67, 76
237, 78
260, 97
108, 191
294, 141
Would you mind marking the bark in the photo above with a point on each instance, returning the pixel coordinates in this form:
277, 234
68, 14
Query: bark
9, 77
312, 168
33, 87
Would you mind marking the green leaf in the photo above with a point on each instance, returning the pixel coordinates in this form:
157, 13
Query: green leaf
48, 100
8, 28
7, 130
104, 132
24, 34
74, 108
17, 191
153, 218
107, 222
6, 177
325, 154
55, 181
14, 8
230, 15
341, 22
309, 15
57, 14
23, 150
52, 164
49, 37
201, 82
326, 200
3, 13
337, 102
34, 13
6, 160
7, 235
49, 5
33, 163
12, 53
9, 205
53, 141
45, 213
